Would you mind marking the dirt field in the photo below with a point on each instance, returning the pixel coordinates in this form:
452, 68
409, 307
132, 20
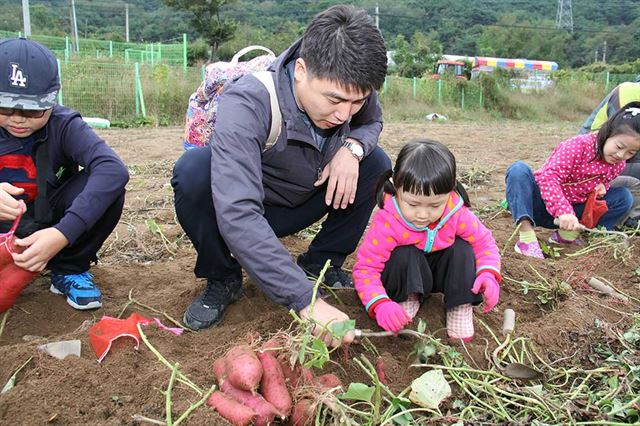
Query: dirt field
80, 391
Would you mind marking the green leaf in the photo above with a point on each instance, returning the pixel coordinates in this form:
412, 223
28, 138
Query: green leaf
399, 405
341, 329
152, 225
358, 392
422, 326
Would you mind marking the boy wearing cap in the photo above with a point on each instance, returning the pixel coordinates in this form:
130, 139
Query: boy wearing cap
56, 173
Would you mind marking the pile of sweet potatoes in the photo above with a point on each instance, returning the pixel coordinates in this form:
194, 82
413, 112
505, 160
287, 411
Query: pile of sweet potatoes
260, 387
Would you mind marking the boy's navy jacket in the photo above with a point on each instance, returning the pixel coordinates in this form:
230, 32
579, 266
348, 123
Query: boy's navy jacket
244, 178
72, 143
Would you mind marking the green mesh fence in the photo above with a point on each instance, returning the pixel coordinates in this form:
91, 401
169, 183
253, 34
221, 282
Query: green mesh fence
108, 90
143, 53
458, 93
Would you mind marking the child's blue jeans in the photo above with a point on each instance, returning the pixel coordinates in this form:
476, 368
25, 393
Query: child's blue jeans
525, 201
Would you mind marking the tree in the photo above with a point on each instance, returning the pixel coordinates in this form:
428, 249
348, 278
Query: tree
207, 21
414, 58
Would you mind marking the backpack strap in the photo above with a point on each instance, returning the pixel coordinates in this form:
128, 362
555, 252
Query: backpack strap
265, 77
248, 49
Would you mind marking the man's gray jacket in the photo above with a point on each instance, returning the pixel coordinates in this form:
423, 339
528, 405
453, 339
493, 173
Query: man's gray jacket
244, 178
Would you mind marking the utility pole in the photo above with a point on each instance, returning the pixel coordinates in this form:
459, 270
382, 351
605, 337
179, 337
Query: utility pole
126, 21
74, 25
26, 18
604, 52
377, 16
564, 15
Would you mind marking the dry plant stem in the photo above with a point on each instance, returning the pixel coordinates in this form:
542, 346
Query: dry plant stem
167, 394
133, 301
462, 369
140, 418
194, 406
181, 377
515, 231
4, 321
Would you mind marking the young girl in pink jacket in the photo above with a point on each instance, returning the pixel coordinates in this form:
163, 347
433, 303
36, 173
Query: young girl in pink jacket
555, 195
425, 240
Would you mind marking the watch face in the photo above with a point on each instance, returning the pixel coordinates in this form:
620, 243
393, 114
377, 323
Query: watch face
357, 150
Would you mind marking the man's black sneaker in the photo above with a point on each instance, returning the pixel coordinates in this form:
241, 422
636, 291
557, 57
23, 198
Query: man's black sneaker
207, 309
334, 277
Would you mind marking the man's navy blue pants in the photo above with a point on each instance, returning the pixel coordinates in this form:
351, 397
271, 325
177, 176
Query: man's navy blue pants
338, 237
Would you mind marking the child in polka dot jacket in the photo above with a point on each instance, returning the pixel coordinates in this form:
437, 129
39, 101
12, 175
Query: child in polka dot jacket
555, 195
423, 240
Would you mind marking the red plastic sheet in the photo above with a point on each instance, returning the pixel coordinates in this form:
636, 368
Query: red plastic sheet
104, 332
13, 279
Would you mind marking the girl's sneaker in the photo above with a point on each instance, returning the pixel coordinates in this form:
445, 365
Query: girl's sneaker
80, 290
555, 238
460, 323
529, 249
411, 305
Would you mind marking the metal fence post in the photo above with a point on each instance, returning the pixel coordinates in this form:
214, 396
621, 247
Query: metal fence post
440, 91
415, 88
60, 77
184, 51
110, 49
462, 98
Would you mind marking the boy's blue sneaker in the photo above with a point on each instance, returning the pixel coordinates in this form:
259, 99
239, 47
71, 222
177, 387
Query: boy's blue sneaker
80, 290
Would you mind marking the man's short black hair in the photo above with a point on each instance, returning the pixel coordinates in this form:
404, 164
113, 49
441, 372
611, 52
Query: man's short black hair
342, 44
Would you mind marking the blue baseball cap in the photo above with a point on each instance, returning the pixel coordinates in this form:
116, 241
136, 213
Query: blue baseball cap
28, 75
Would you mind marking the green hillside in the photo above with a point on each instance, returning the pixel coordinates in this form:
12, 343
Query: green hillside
516, 28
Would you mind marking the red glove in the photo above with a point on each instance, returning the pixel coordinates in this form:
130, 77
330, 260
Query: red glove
391, 317
487, 285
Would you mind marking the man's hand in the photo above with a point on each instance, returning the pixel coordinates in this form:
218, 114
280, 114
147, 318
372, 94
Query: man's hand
10, 208
569, 222
325, 316
342, 172
40, 247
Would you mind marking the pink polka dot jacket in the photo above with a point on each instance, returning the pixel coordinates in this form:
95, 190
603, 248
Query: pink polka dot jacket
572, 172
389, 229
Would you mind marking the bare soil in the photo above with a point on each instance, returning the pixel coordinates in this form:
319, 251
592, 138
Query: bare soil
79, 391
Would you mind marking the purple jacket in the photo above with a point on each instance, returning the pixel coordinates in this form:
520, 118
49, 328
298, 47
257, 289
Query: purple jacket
72, 143
244, 179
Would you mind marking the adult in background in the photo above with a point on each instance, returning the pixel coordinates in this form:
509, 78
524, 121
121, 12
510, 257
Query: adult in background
630, 176
231, 197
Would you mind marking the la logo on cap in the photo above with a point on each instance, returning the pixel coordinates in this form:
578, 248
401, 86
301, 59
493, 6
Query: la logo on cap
17, 77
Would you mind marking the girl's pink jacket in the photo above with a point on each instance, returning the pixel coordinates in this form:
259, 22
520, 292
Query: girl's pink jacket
571, 173
389, 229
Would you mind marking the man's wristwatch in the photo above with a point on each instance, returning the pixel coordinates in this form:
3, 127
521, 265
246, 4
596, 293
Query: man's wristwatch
356, 149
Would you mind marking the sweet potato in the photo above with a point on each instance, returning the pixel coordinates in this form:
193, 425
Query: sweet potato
272, 386
303, 413
264, 409
382, 376
244, 369
237, 413
219, 368
301, 376
328, 381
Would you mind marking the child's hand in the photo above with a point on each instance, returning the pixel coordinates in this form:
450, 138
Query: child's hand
41, 246
391, 317
600, 190
487, 285
10, 208
569, 222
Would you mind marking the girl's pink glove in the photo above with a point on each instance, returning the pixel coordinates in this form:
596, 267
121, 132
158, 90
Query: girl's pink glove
391, 317
487, 285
